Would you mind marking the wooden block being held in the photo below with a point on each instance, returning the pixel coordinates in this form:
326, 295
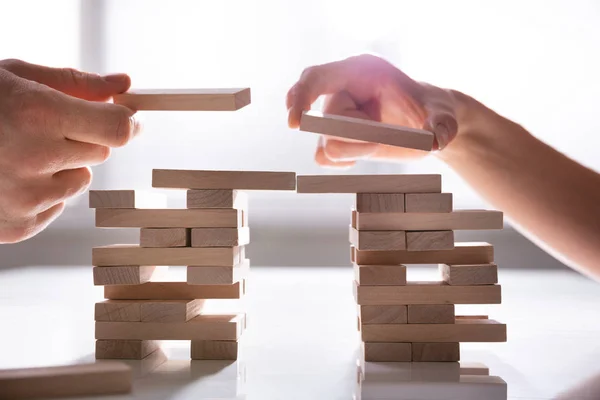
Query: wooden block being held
462, 253
169, 218
474, 274
428, 240
387, 352
431, 314
205, 179
435, 352
173, 291
383, 314
165, 237
126, 199
136, 255
376, 275
220, 237
369, 184
214, 350
125, 349
380, 202
126, 274
366, 130
406, 221
378, 240
218, 275
216, 198
100, 378
225, 99
428, 202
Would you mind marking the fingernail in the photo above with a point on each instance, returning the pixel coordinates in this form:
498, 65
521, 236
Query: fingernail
116, 78
442, 135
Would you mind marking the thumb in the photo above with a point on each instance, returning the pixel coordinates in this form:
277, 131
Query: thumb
86, 86
442, 122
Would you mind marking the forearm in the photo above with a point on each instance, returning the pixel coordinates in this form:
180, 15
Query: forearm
548, 196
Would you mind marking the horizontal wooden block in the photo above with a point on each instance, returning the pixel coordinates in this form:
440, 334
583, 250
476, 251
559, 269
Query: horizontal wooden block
462, 253
366, 130
168, 218
435, 352
218, 275
148, 310
408, 183
431, 314
217, 99
220, 237
486, 330
125, 349
205, 179
378, 240
428, 203
376, 275
125, 274
173, 291
379, 202
99, 378
426, 293
136, 255
203, 327
165, 237
383, 314
216, 198
387, 352
471, 317
428, 240
474, 274
126, 199
453, 221
214, 350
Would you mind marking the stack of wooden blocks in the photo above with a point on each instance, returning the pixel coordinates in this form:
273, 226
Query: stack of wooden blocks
406, 219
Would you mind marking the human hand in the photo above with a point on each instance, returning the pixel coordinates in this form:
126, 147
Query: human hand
369, 87
54, 125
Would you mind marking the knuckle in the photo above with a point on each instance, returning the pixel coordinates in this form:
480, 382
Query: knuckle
73, 77
12, 64
81, 181
122, 129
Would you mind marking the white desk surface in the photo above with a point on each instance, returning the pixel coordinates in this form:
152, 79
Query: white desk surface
302, 342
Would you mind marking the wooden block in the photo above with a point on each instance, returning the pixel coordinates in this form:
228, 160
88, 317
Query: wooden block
165, 237
124, 275
173, 291
136, 255
431, 314
214, 350
425, 293
380, 202
455, 220
378, 240
366, 130
435, 352
474, 368
353, 219
168, 218
387, 352
216, 198
428, 202
428, 240
408, 183
471, 317
220, 237
463, 330
204, 179
126, 199
383, 314
375, 275
148, 310
474, 274
203, 327
125, 349
462, 253
99, 378
217, 275
118, 311
225, 99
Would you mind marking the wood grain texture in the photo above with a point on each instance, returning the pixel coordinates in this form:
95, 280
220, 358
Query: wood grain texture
377, 275
168, 218
170, 310
205, 179
384, 314
378, 240
214, 350
220, 237
217, 99
218, 275
427, 293
99, 378
428, 202
125, 274
431, 314
435, 352
463, 253
118, 311
216, 198
165, 237
487, 330
203, 327
455, 220
173, 291
475, 274
126, 199
408, 183
380, 202
387, 352
366, 130
428, 240
136, 255
125, 349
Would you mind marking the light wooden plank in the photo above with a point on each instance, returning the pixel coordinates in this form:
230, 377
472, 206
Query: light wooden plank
486, 330
174, 256
474, 274
435, 352
99, 378
216, 198
125, 349
380, 202
126, 199
366, 130
209, 99
428, 240
220, 237
206, 179
165, 237
378, 240
397, 314
408, 183
218, 275
214, 350
118, 311
168, 218
431, 314
455, 220
376, 275
125, 274
428, 202
387, 352
173, 291
170, 310
427, 293
463, 253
